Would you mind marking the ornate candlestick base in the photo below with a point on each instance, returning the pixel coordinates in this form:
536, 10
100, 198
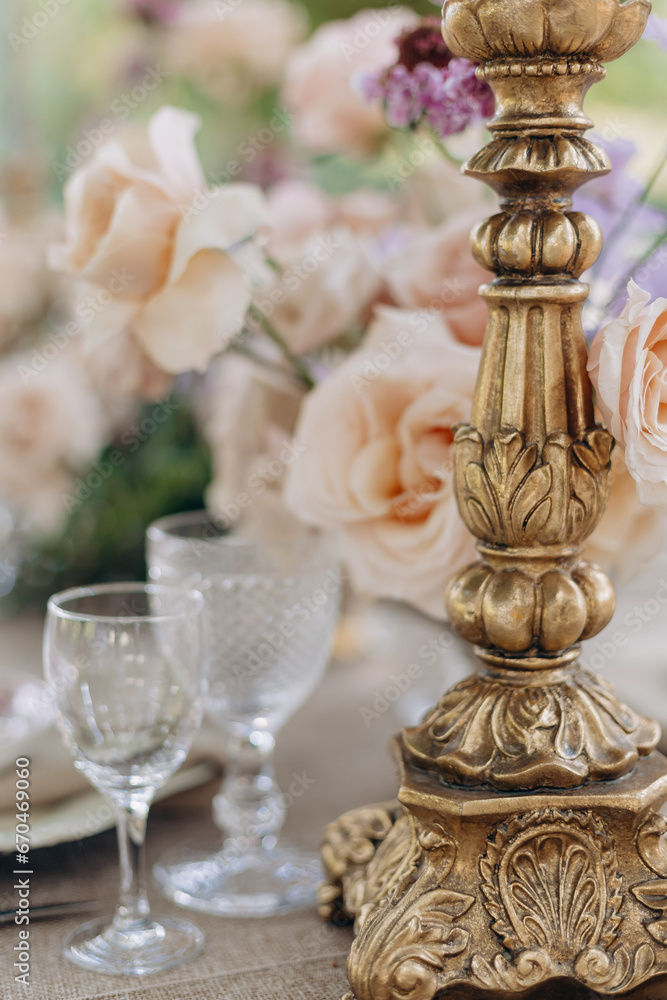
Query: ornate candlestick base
490, 895
526, 850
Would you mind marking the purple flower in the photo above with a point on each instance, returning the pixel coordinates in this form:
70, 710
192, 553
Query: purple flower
427, 84
447, 98
629, 228
153, 11
656, 30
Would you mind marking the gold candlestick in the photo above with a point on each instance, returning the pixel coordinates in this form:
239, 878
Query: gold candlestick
524, 848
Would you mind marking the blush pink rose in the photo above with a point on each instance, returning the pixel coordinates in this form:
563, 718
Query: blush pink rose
250, 416
27, 288
326, 287
156, 243
330, 116
630, 533
436, 189
375, 457
628, 367
122, 375
52, 427
367, 211
235, 49
325, 247
298, 209
435, 269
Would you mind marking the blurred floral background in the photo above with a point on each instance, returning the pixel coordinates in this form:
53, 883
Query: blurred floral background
234, 271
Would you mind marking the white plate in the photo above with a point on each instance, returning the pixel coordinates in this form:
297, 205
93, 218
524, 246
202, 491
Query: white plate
87, 813
25, 707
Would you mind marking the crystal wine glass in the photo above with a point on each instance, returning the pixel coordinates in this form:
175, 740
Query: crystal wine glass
126, 664
271, 609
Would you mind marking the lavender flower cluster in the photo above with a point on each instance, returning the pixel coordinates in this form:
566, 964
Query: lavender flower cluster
446, 98
428, 85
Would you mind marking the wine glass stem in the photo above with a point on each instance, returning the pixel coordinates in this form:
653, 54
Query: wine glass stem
133, 911
250, 807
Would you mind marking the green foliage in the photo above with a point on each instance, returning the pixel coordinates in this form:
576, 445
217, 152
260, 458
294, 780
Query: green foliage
328, 10
104, 536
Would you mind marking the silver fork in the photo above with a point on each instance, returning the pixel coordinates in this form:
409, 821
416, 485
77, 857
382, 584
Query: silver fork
48, 910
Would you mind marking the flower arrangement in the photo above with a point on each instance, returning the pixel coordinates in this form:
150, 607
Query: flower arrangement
296, 326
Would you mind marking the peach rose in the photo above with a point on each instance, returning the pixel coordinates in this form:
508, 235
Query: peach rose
27, 288
157, 243
331, 117
375, 457
367, 211
325, 248
234, 49
250, 419
630, 533
628, 367
326, 287
436, 270
51, 428
298, 209
436, 189
120, 372
121, 375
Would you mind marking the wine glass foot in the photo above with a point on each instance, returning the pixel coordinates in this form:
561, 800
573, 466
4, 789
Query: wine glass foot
97, 946
257, 883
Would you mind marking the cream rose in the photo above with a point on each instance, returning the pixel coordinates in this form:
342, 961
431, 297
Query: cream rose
27, 287
235, 49
251, 412
375, 457
630, 533
330, 116
51, 428
298, 210
436, 189
628, 367
326, 287
326, 248
154, 243
436, 270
